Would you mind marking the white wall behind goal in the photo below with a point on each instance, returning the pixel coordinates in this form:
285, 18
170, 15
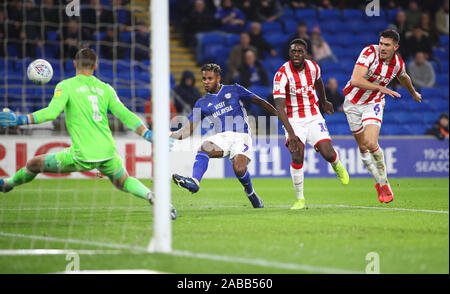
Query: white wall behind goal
136, 155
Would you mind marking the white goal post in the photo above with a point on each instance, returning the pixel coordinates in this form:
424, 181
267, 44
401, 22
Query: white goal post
162, 236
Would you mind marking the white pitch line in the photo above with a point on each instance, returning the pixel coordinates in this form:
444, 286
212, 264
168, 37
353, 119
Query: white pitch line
225, 206
207, 256
27, 252
265, 263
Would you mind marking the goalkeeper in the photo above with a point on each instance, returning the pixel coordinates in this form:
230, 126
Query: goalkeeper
85, 101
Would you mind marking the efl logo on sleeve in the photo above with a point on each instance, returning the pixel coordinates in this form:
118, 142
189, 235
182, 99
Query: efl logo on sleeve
57, 92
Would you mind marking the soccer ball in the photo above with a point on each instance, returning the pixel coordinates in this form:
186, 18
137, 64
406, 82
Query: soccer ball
40, 72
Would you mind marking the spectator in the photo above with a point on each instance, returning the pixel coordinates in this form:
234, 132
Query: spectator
421, 72
251, 72
430, 29
237, 56
232, 20
334, 95
257, 40
325, 4
399, 25
199, 19
52, 16
73, 39
269, 10
441, 18
302, 33
2, 34
418, 41
148, 110
109, 47
89, 16
249, 8
440, 128
142, 43
116, 14
413, 15
187, 91
297, 4
320, 48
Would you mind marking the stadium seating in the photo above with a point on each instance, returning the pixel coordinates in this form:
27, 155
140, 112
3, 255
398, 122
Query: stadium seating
329, 14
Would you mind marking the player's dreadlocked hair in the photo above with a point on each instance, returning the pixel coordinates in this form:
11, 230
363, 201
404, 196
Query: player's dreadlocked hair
86, 58
212, 67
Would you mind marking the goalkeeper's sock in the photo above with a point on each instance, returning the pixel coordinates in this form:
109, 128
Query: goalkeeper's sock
246, 181
135, 187
200, 165
378, 158
22, 176
297, 179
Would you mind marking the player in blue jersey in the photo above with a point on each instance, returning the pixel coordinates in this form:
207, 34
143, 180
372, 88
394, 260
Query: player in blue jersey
223, 107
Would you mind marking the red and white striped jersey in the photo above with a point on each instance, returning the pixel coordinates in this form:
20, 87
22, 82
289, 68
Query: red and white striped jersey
379, 73
297, 87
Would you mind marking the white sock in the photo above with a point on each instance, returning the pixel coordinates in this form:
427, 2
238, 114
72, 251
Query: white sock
378, 158
369, 163
297, 179
336, 160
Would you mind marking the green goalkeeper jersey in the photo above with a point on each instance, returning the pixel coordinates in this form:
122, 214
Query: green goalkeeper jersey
86, 101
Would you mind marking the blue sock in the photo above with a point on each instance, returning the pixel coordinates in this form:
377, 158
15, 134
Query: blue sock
246, 181
200, 165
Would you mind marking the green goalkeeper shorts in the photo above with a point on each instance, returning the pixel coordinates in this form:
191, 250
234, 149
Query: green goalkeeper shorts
65, 162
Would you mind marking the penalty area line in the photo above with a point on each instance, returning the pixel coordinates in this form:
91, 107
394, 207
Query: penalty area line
180, 253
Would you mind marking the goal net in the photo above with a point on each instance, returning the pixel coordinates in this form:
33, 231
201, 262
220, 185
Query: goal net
78, 210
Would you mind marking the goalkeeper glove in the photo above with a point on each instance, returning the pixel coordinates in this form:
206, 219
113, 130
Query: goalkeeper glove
9, 119
148, 136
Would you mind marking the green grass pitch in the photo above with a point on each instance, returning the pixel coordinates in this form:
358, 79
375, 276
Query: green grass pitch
218, 231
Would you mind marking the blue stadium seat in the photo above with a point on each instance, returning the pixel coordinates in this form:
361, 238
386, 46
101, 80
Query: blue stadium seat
232, 39
212, 38
328, 14
332, 26
440, 106
440, 53
99, 36
143, 93
429, 117
431, 93
289, 26
444, 41
52, 35
12, 50
382, 16
355, 25
443, 65
261, 91
442, 80
124, 92
337, 117
393, 129
276, 38
211, 51
331, 68
125, 37
353, 14
416, 129
268, 27
406, 117
395, 104
389, 117
347, 40
303, 14
288, 13
392, 14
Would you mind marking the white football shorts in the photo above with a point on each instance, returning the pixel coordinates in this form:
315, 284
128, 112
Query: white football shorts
233, 143
312, 130
360, 115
